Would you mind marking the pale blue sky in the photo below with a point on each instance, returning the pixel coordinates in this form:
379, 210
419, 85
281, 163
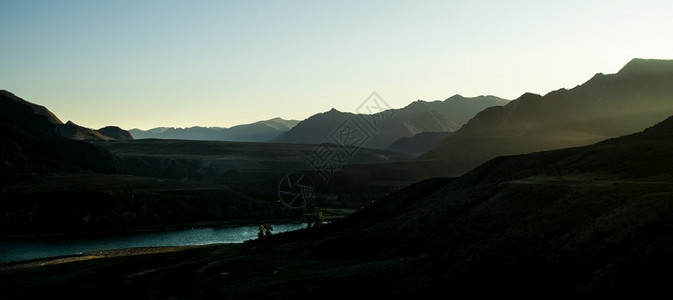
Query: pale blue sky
144, 64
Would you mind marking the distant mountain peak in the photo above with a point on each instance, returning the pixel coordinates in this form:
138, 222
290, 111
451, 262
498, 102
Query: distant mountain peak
529, 95
456, 96
459, 97
419, 116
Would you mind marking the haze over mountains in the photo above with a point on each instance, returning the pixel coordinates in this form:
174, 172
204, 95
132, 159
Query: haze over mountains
605, 106
261, 131
431, 119
388, 126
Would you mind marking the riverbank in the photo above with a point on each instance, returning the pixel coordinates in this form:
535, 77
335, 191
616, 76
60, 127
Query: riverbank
34, 248
330, 214
199, 225
95, 255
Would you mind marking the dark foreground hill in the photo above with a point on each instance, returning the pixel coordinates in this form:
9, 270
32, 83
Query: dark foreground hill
606, 106
33, 142
593, 222
23, 118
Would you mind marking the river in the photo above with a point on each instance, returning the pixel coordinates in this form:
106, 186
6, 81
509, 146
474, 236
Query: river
21, 249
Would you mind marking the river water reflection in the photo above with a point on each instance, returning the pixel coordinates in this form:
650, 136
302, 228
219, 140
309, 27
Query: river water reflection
34, 248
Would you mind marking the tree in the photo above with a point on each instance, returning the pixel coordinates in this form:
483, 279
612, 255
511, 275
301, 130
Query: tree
315, 219
264, 230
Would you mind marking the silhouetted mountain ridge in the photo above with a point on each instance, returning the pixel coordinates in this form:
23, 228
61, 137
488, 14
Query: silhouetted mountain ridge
35, 140
606, 106
385, 127
261, 131
22, 117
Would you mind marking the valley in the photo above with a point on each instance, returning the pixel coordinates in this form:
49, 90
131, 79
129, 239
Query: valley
567, 195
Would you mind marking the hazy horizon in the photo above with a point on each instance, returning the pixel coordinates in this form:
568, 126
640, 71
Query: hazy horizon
154, 64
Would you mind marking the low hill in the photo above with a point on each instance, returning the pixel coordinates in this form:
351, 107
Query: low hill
75, 132
606, 106
383, 128
115, 133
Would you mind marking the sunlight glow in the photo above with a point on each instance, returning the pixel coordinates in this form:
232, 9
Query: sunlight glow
212, 63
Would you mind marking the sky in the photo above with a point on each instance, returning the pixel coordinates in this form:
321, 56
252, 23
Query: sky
145, 63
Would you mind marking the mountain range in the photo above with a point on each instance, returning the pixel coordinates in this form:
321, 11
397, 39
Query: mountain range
261, 131
592, 219
429, 118
606, 106
590, 222
385, 127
